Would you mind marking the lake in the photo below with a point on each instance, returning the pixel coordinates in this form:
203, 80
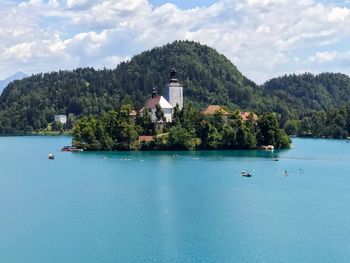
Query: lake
174, 206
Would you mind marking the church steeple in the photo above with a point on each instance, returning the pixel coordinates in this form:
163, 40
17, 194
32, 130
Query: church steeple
154, 92
173, 91
173, 73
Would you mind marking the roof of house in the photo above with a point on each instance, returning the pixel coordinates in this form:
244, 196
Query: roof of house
245, 115
211, 109
145, 138
157, 100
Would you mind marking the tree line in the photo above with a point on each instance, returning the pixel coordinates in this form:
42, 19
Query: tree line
333, 123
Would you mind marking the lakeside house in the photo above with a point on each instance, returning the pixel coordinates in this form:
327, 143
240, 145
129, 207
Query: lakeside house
245, 116
213, 109
61, 119
145, 138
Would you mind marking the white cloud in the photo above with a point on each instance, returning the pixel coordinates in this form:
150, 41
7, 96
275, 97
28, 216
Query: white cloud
339, 15
264, 38
322, 57
332, 58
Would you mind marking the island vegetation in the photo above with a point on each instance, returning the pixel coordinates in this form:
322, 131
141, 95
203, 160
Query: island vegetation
190, 130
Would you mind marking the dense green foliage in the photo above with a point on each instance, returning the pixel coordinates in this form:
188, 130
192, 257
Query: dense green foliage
333, 123
298, 95
116, 130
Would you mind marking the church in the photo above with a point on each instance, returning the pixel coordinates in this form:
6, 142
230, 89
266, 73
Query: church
173, 97
174, 90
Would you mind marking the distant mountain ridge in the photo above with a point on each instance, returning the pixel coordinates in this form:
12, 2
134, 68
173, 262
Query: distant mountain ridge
17, 76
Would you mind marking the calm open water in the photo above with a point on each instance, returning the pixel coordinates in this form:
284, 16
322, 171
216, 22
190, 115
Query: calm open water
174, 207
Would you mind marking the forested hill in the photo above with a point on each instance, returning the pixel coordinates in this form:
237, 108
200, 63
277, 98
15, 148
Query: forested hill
207, 76
307, 92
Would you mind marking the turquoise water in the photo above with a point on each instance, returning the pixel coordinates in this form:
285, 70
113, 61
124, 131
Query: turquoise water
174, 207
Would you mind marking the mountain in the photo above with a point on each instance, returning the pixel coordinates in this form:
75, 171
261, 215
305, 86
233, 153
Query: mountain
207, 77
3, 83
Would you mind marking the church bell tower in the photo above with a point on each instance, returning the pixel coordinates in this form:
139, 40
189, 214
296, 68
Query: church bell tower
174, 90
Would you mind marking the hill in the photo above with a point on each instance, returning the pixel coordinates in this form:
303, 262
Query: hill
207, 76
303, 93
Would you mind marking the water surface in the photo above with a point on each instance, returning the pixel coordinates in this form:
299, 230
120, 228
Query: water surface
174, 206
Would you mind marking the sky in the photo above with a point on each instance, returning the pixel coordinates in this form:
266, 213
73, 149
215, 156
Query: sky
263, 38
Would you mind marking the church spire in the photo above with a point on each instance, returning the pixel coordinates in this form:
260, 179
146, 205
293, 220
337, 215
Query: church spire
173, 72
154, 92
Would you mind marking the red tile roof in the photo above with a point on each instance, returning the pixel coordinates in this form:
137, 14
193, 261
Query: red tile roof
157, 100
211, 109
152, 102
245, 115
145, 138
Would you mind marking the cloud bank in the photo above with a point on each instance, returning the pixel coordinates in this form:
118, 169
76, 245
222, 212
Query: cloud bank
264, 38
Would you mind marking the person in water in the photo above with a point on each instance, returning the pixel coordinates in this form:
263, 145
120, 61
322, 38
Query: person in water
285, 173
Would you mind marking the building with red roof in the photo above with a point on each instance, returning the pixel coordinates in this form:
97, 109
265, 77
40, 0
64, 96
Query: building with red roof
245, 115
151, 108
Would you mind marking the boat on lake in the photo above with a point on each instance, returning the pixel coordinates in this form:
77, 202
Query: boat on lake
71, 149
245, 174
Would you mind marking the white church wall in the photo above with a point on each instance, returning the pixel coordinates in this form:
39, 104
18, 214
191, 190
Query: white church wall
175, 95
168, 114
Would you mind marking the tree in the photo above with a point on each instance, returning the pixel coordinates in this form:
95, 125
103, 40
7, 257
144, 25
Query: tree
159, 114
144, 124
177, 114
181, 139
291, 127
269, 132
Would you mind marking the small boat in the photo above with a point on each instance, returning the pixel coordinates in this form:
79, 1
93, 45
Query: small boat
51, 156
71, 149
245, 174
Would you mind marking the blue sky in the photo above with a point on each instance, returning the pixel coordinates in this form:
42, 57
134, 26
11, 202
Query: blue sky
263, 38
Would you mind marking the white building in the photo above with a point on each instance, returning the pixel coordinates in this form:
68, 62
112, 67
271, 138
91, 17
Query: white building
174, 90
151, 105
61, 119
